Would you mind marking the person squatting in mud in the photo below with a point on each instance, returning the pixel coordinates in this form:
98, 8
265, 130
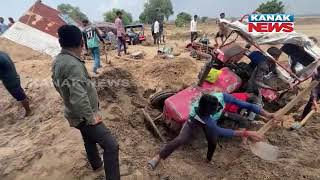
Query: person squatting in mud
205, 113
11, 81
81, 102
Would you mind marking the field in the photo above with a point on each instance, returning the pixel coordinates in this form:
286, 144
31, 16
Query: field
45, 147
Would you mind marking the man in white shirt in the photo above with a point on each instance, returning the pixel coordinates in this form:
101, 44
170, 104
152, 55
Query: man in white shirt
193, 28
156, 31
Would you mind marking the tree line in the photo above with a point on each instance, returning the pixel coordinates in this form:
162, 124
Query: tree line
162, 10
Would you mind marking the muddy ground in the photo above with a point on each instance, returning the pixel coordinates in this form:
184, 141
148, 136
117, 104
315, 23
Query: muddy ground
43, 146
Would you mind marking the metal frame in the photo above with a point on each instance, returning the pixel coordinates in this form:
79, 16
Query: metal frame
296, 78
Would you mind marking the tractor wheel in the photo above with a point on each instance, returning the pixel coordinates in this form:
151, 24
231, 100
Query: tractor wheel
157, 99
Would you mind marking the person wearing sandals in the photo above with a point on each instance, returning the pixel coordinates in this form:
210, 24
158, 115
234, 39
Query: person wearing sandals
205, 113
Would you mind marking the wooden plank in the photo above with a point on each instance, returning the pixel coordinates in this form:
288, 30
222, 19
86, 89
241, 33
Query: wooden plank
307, 117
289, 106
153, 125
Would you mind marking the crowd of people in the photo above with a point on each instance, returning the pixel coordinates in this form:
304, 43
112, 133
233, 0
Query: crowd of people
4, 26
73, 83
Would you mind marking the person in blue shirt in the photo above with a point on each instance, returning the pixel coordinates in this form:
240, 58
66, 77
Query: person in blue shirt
205, 114
11, 81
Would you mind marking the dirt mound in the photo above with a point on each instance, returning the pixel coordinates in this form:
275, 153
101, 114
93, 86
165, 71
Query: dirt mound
170, 74
19, 52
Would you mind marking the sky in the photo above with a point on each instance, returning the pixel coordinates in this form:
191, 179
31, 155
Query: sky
211, 8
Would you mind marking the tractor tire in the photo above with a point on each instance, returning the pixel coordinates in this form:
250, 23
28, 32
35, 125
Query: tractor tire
157, 99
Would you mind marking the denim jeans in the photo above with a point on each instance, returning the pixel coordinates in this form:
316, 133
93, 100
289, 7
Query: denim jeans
100, 134
96, 57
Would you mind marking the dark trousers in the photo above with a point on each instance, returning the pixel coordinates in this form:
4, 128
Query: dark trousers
100, 134
194, 36
161, 37
308, 107
185, 135
156, 38
122, 42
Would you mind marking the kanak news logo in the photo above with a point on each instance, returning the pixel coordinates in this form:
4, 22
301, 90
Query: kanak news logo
271, 23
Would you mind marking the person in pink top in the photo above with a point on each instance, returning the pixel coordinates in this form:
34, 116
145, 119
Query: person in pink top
121, 34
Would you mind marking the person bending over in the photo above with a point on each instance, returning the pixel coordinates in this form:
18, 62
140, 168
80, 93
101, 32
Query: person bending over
205, 114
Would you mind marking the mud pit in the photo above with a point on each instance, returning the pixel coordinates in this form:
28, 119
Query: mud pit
44, 146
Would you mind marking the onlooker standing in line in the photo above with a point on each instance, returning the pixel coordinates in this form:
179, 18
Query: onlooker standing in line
193, 28
121, 34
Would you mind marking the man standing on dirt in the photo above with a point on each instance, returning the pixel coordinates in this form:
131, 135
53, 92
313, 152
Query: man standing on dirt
156, 31
80, 98
193, 28
121, 34
11, 81
92, 41
161, 32
222, 33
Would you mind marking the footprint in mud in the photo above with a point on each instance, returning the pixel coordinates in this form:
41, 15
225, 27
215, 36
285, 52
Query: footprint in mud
22, 161
112, 81
311, 163
113, 113
147, 93
138, 102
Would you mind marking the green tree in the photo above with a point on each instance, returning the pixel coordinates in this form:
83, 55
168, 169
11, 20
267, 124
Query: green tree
143, 17
72, 11
111, 16
183, 19
204, 19
271, 7
156, 9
